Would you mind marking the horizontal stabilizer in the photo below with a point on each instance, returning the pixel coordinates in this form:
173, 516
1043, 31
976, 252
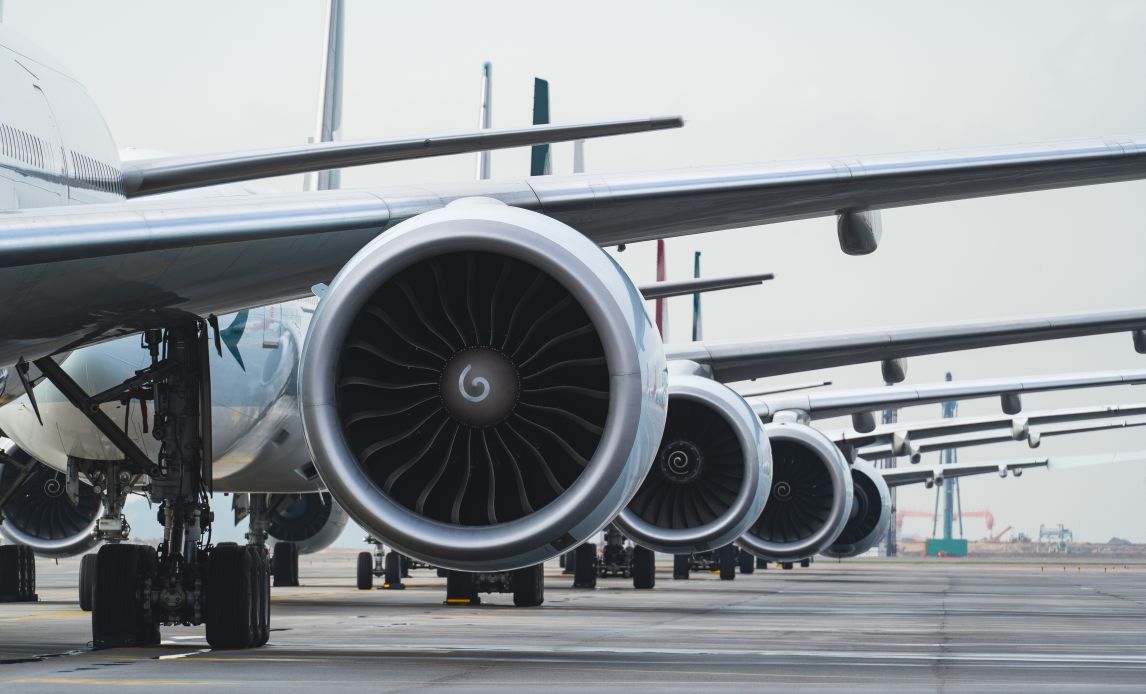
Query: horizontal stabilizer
151, 176
776, 390
661, 290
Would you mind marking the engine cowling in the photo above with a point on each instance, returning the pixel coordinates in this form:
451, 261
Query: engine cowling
40, 514
482, 387
870, 513
810, 500
311, 521
711, 475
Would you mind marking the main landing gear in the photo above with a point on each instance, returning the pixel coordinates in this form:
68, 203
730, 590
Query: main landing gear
527, 586
186, 580
724, 561
391, 566
259, 508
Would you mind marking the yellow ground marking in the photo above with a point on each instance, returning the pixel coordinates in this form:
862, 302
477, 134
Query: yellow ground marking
271, 659
119, 683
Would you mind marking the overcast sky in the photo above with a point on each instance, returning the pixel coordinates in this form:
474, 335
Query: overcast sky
755, 81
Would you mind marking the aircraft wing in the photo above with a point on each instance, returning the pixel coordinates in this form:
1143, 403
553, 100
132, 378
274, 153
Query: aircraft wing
76, 275
896, 477
983, 438
738, 360
824, 404
1019, 425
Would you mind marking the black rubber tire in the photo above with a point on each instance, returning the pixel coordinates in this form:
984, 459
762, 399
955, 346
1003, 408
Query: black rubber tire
27, 574
727, 556
87, 580
786, 565
285, 564
365, 571
528, 586
392, 577
442, 573
747, 562
644, 568
761, 564
570, 563
681, 564
122, 574
262, 580
17, 574
585, 568
805, 563
405, 563
232, 598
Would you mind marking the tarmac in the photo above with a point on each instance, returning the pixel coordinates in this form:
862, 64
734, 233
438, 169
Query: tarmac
911, 625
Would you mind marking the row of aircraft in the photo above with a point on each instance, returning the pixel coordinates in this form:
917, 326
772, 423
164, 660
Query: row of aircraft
460, 369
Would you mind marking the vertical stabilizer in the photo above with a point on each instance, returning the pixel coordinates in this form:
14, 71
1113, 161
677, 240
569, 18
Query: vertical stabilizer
697, 331
330, 89
578, 156
485, 119
661, 306
539, 164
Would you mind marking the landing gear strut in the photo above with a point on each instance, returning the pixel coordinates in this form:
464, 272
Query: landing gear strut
186, 580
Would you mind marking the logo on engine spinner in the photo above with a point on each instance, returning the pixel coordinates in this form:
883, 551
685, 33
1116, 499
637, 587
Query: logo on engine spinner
478, 381
479, 401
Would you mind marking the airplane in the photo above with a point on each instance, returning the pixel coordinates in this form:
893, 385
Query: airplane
85, 259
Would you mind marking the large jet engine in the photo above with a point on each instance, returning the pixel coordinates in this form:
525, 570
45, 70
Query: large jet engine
711, 476
811, 496
870, 513
311, 521
39, 513
482, 388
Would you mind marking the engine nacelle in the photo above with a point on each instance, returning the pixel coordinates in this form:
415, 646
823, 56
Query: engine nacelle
811, 496
711, 475
40, 514
482, 387
311, 521
870, 513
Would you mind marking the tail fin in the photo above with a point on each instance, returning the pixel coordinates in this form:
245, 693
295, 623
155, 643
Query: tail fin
485, 120
697, 330
330, 89
540, 161
661, 307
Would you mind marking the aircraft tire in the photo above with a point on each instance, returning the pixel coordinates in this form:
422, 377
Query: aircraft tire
122, 575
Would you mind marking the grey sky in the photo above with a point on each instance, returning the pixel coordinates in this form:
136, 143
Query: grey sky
755, 81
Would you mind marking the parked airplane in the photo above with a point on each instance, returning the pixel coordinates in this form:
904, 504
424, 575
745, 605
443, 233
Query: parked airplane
480, 384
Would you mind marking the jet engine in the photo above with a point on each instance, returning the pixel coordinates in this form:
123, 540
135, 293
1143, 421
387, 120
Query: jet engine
482, 388
311, 521
870, 513
39, 513
811, 496
711, 475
